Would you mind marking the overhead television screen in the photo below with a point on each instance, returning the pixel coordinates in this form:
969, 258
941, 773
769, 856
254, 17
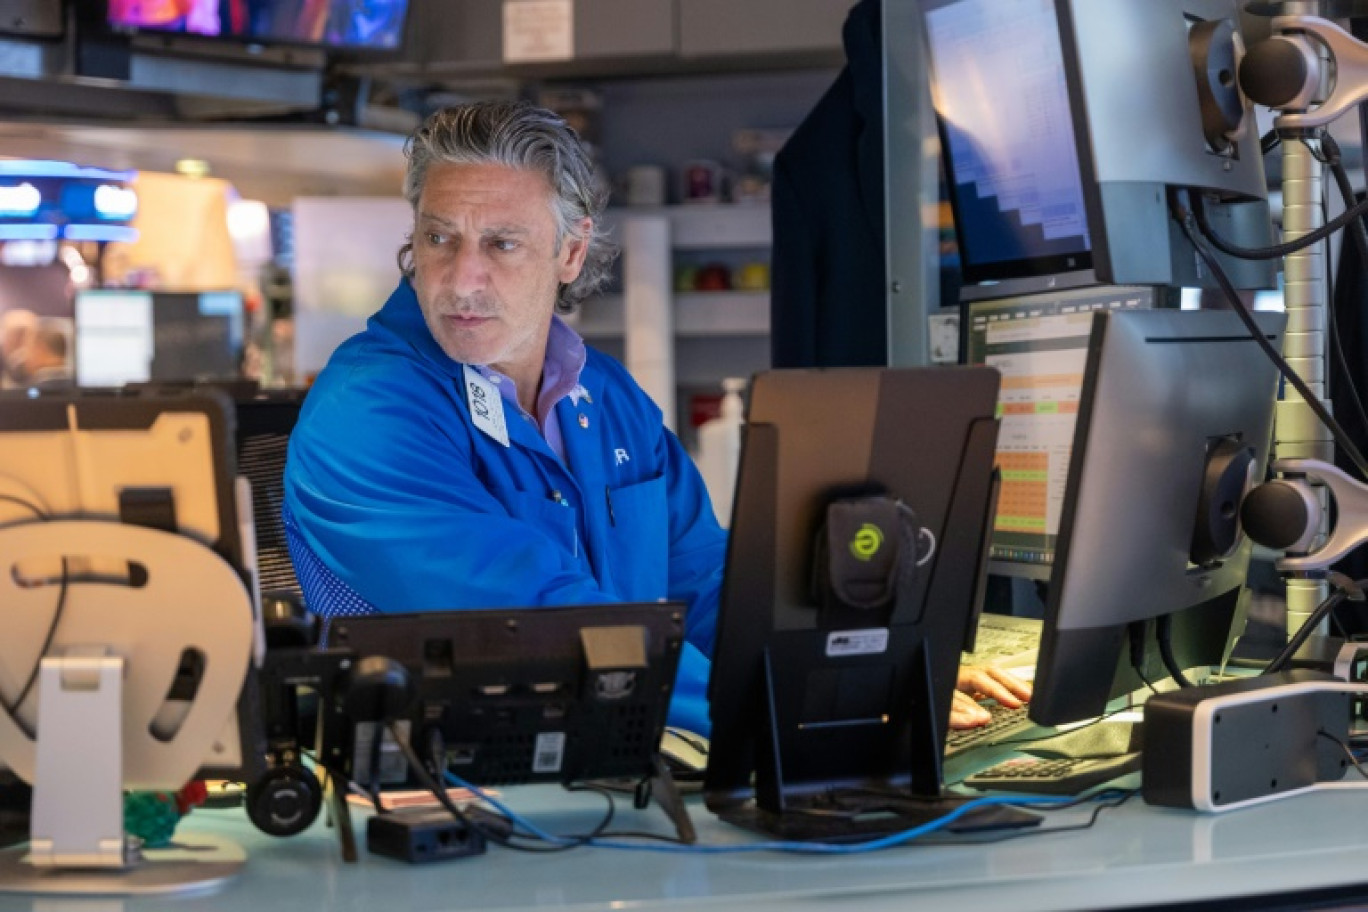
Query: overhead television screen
358, 24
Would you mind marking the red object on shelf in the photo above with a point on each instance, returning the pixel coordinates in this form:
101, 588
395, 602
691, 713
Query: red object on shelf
713, 278
704, 407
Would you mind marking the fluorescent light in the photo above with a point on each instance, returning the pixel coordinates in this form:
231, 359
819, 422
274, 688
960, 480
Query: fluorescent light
192, 167
29, 168
115, 202
20, 201
28, 232
99, 233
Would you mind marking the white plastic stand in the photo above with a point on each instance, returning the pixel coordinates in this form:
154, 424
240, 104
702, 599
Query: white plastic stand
101, 695
77, 818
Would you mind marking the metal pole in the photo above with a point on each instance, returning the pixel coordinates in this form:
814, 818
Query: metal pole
1299, 434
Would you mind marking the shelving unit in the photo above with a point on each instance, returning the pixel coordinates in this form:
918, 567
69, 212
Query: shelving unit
697, 314
683, 341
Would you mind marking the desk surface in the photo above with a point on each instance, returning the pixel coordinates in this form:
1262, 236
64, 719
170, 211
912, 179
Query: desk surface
1135, 855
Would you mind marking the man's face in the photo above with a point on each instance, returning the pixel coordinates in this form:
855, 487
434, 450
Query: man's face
486, 267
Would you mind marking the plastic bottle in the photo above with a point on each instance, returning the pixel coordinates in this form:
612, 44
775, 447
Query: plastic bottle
719, 449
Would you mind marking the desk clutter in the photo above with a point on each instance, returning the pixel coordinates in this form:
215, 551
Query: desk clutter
848, 599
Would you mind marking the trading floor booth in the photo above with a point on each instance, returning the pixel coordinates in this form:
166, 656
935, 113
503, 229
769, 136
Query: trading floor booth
1099, 444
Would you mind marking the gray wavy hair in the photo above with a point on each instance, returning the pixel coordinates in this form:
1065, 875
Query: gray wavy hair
518, 134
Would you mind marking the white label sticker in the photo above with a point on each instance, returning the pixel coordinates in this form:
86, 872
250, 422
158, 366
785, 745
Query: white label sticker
538, 30
486, 405
549, 752
857, 642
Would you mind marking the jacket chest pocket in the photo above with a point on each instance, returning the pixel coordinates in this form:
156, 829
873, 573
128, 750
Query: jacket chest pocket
557, 520
639, 540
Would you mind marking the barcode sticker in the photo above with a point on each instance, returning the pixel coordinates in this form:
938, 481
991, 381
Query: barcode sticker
857, 642
549, 753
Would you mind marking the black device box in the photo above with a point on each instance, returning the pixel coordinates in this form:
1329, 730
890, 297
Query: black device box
1243, 742
419, 835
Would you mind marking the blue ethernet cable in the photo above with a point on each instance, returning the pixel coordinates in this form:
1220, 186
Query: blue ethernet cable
816, 848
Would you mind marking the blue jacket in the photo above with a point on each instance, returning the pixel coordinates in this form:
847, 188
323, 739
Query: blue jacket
394, 490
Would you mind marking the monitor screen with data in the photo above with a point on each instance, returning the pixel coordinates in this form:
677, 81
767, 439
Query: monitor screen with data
1068, 128
1039, 344
132, 336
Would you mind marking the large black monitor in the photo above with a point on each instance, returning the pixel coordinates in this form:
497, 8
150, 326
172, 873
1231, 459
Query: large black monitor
1065, 124
833, 676
1174, 424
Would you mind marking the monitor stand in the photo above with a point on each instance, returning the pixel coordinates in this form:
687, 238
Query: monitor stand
661, 785
94, 730
77, 844
835, 813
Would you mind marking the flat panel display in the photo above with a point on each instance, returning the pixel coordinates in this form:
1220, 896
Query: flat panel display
130, 336
1012, 150
1039, 343
361, 24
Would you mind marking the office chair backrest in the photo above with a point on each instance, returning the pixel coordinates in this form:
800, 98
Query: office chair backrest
264, 424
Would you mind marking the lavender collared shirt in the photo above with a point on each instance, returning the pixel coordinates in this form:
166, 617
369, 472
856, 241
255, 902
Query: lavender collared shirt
560, 378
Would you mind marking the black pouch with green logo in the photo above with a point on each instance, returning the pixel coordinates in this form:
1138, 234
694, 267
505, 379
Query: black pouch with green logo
865, 551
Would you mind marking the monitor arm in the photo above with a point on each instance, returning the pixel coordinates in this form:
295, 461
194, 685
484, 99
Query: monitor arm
1309, 72
1285, 514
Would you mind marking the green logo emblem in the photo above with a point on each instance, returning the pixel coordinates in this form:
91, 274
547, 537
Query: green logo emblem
866, 542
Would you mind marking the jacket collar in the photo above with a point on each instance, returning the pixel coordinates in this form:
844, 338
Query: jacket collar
402, 319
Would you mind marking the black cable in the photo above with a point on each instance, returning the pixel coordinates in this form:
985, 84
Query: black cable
1277, 250
1269, 141
1349, 753
1135, 632
1280, 661
598, 831
1185, 219
694, 741
1360, 236
438, 792
1163, 632
12, 709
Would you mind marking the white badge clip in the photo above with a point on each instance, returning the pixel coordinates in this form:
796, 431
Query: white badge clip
486, 405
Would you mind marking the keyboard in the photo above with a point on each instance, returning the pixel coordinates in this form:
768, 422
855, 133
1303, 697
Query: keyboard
1006, 724
1054, 776
1005, 641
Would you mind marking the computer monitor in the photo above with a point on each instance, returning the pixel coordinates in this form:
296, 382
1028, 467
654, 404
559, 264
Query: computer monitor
1174, 424
124, 572
129, 336
1065, 125
496, 696
837, 703
1039, 344
354, 25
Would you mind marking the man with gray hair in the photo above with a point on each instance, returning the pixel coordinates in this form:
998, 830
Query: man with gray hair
467, 449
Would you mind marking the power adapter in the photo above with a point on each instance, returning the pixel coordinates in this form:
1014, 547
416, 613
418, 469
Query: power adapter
419, 835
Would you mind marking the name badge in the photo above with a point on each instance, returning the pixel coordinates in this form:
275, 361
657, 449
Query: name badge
486, 405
